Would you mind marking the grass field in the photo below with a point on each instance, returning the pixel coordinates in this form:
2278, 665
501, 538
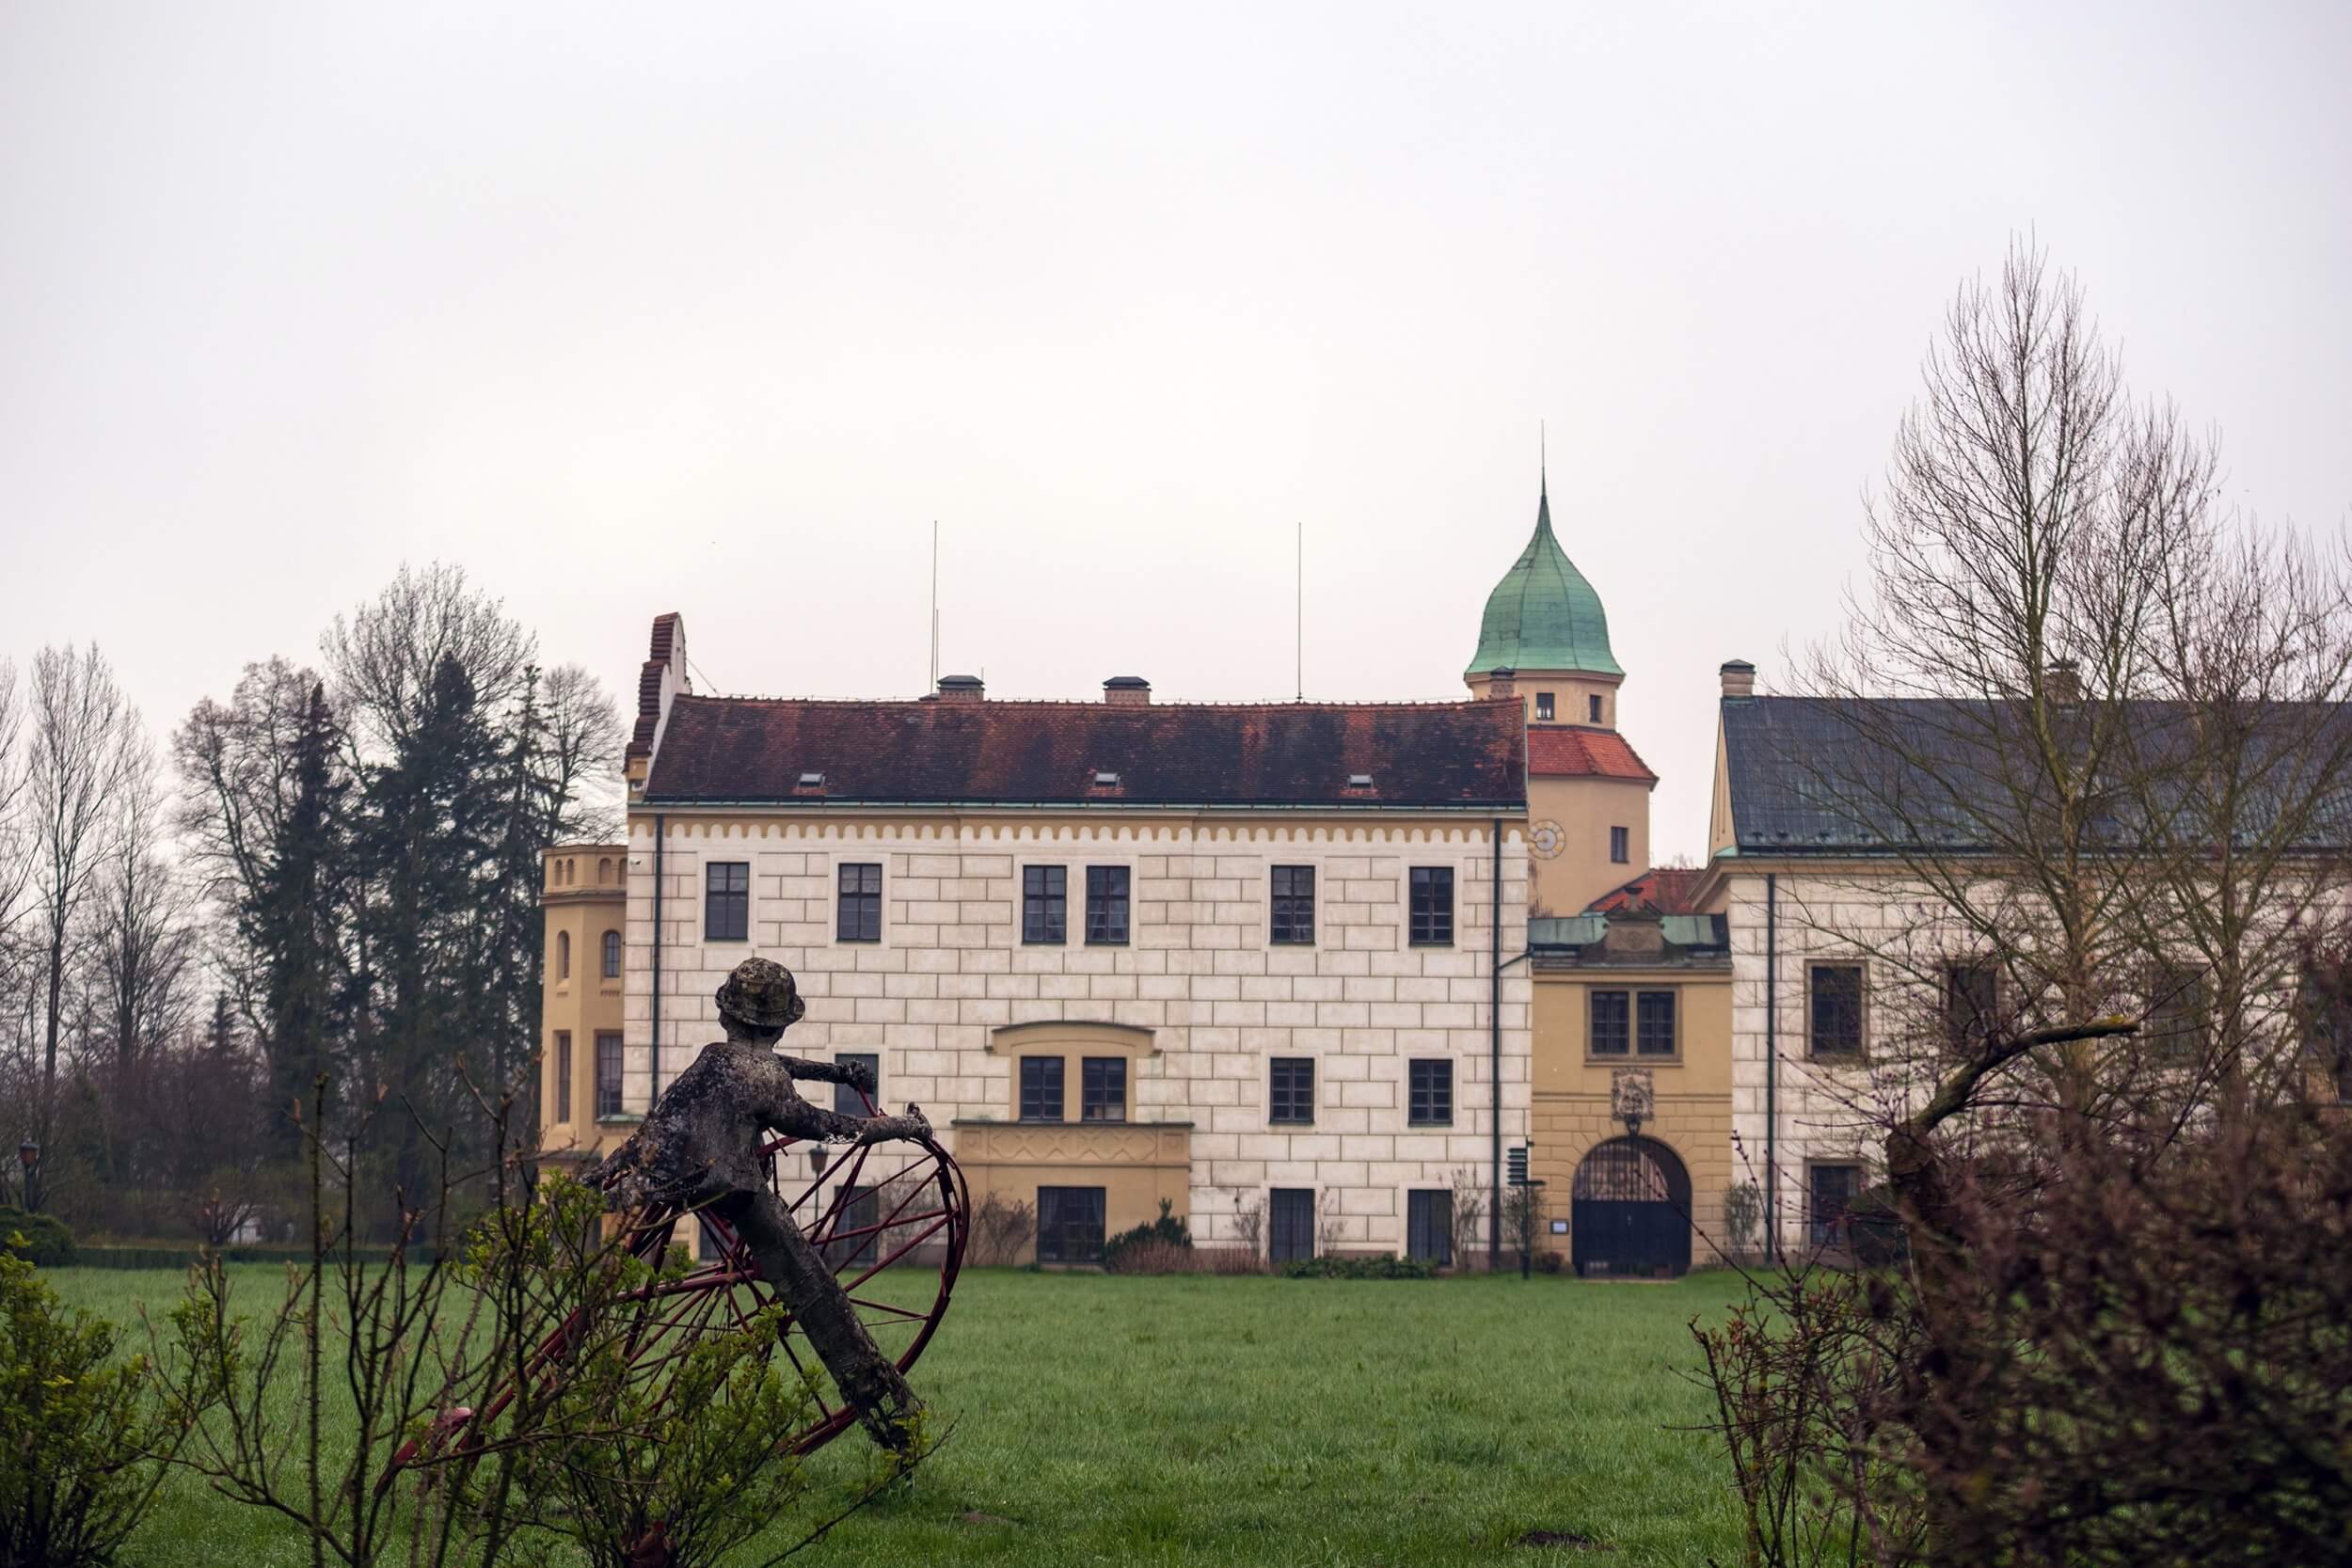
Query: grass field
1234, 1420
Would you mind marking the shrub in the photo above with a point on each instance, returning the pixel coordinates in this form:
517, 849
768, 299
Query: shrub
42, 1239
80, 1446
1164, 1234
1375, 1266
1550, 1262
1151, 1255
1227, 1261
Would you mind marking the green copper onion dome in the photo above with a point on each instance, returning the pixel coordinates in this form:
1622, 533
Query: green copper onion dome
1543, 615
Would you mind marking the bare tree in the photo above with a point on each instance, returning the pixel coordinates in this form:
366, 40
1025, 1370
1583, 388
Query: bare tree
385, 655
2113, 760
582, 756
146, 937
77, 758
2074, 779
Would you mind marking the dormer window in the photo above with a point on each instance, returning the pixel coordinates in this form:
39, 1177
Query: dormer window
1360, 781
812, 780
1106, 780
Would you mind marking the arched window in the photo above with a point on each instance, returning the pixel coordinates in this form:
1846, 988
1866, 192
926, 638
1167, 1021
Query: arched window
611, 955
604, 870
562, 955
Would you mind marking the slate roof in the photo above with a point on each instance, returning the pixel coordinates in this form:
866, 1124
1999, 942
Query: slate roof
1544, 615
1578, 752
1861, 776
1423, 754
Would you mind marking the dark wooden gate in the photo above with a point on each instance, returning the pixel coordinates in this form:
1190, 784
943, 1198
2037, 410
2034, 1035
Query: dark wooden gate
1631, 1211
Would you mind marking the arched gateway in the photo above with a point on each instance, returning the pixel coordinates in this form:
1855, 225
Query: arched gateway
1631, 1213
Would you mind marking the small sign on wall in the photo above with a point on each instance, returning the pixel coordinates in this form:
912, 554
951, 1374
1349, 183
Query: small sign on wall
1559, 1227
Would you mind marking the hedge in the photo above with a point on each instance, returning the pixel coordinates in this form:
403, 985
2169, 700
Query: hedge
46, 1241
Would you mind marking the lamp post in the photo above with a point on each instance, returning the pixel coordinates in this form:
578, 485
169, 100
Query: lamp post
28, 1155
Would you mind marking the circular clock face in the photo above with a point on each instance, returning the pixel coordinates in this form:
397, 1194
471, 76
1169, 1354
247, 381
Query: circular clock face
1547, 839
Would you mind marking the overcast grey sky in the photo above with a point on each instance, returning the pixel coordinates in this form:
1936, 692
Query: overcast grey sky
713, 309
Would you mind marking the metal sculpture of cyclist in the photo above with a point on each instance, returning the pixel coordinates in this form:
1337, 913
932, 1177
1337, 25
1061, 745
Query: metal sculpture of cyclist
704, 1148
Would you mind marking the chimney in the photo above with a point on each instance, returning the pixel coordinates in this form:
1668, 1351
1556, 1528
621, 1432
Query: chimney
2063, 682
961, 688
1502, 681
1132, 690
1738, 678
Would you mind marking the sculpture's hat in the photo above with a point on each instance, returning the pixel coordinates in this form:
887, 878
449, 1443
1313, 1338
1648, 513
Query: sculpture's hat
761, 993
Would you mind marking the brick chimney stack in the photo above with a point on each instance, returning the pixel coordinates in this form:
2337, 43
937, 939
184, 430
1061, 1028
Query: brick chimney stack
962, 689
1738, 678
1130, 691
1502, 681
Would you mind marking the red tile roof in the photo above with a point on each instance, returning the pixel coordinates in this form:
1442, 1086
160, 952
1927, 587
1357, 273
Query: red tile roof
1573, 752
1468, 753
1666, 889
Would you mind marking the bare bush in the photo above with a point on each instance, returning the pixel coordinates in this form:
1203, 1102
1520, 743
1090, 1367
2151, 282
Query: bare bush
1002, 1229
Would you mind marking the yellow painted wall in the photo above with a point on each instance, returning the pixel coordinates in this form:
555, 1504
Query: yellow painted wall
1586, 809
1571, 695
1137, 1165
1572, 1109
581, 906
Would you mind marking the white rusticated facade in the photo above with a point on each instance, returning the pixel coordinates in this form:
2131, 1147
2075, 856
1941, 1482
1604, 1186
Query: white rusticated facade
1200, 986
1828, 1111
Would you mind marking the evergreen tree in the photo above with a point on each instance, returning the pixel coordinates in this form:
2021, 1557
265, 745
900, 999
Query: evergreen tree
290, 922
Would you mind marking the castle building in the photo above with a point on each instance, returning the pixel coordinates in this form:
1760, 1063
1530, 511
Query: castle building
1303, 972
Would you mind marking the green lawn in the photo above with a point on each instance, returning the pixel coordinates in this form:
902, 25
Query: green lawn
1235, 1420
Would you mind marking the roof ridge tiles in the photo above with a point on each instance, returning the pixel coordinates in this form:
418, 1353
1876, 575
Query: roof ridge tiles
1097, 705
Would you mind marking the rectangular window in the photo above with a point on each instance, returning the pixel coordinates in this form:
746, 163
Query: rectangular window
1429, 1226
1290, 1224
1294, 904
1068, 1224
1610, 1023
1654, 1022
1292, 1091
1103, 1089
1045, 904
1971, 1002
857, 910
1833, 1192
1429, 1092
1040, 1088
1618, 853
2324, 1018
848, 1101
2176, 1026
861, 1210
563, 1076
1430, 907
1834, 1010
1106, 905
1543, 704
1592, 707
608, 1075
727, 901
